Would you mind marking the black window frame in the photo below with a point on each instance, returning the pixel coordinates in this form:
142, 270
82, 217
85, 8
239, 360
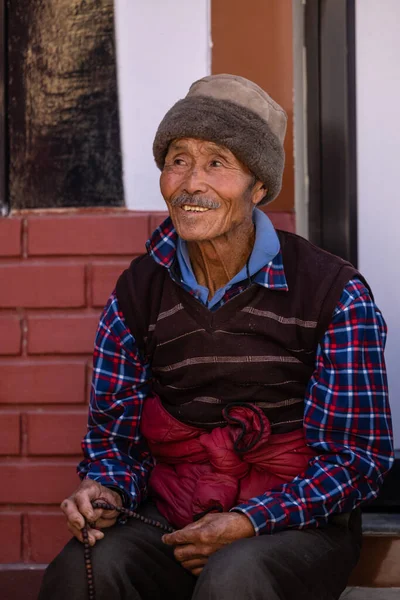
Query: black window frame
331, 125
4, 199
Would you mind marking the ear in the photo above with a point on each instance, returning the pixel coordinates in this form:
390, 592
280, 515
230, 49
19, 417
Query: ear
259, 192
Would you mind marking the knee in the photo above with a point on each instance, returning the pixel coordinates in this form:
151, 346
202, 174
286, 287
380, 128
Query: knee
239, 559
65, 576
239, 571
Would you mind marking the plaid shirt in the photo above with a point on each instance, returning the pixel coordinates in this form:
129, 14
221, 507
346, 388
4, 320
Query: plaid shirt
346, 418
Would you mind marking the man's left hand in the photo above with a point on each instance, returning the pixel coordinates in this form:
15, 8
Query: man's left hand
197, 541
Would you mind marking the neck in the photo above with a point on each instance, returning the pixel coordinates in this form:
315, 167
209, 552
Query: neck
215, 262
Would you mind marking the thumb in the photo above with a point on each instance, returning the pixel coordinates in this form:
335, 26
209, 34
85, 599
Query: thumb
186, 535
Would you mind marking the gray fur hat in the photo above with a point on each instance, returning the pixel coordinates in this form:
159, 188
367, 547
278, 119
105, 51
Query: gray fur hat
236, 113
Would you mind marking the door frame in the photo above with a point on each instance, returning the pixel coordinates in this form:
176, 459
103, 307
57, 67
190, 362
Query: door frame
331, 125
4, 159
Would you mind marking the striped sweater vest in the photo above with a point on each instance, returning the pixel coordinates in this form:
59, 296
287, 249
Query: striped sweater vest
260, 347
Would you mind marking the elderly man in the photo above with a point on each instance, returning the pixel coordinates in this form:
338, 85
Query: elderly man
239, 389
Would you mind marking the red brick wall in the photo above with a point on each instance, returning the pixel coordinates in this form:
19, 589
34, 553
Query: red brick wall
56, 272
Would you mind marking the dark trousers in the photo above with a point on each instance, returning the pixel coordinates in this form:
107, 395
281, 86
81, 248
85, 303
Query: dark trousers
132, 563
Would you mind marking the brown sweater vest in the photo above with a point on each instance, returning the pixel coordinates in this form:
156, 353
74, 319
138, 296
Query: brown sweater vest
259, 347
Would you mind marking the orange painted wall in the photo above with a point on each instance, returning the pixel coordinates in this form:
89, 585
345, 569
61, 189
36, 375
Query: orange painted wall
254, 39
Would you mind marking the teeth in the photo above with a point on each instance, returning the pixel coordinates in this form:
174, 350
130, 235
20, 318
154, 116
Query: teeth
188, 207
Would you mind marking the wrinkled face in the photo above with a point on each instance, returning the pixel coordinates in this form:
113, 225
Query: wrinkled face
208, 191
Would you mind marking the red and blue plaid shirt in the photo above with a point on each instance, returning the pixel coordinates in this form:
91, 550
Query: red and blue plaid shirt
346, 417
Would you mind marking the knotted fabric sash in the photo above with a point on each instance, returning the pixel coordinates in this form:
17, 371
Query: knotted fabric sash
198, 471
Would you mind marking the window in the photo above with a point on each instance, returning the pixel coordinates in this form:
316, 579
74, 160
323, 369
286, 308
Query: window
61, 143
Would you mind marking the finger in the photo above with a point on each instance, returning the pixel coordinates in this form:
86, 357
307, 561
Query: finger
190, 551
186, 552
72, 513
100, 513
105, 522
93, 534
106, 514
110, 496
196, 572
75, 531
196, 563
83, 500
187, 535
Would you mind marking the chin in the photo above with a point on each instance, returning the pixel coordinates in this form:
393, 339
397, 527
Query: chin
192, 232
192, 235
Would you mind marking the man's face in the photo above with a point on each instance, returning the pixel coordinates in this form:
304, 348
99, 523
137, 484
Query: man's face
208, 191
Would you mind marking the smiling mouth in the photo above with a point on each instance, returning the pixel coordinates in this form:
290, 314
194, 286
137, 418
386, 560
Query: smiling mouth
191, 208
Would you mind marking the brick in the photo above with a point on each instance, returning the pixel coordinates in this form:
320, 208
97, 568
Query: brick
21, 581
46, 535
81, 234
10, 426
62, 333
283, 220
64, 432
11, 530
35, 285
104, 279
37, 483
10, 236
42, 382
10, 335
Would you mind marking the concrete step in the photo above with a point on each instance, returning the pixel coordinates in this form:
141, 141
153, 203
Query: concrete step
362, 593
380, 555
383, 524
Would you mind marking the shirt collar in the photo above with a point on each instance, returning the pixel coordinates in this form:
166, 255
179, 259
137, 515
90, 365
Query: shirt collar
162, 247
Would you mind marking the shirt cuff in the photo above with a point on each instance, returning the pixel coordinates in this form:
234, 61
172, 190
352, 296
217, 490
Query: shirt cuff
265, 519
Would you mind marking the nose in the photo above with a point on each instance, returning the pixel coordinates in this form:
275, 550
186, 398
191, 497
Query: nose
195, 182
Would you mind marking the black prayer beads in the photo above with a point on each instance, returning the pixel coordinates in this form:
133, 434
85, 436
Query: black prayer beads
86, 546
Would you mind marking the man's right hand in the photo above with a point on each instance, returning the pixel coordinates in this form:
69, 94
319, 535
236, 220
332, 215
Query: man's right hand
78, 508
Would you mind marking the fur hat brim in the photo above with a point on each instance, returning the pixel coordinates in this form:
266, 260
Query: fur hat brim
228, 124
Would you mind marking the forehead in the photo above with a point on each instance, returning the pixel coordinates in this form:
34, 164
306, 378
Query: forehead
199, 146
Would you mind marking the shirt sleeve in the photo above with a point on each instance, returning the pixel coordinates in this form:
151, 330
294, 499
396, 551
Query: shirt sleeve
347, 423
115, 452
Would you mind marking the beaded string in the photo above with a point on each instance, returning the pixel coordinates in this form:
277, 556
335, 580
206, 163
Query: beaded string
86, 546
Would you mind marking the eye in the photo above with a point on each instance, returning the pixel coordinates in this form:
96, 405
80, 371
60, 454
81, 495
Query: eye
216, 163
179, 162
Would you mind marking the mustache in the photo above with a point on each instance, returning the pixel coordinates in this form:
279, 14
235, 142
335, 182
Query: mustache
194, 200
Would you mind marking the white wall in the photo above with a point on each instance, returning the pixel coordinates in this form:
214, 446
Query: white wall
378, 140
162, 47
